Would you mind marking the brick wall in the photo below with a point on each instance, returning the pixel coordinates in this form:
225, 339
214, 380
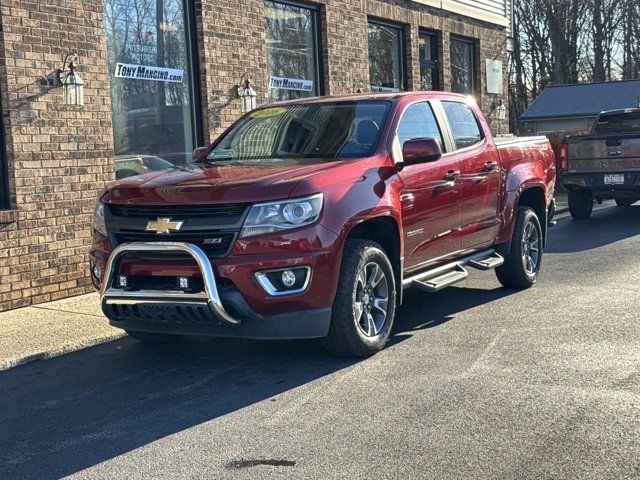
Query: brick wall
231, 42
60, 156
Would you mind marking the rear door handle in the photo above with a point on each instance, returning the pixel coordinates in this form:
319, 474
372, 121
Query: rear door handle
451, 175
491, 165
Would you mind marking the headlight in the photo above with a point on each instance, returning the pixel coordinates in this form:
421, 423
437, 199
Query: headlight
98, 219
273, 217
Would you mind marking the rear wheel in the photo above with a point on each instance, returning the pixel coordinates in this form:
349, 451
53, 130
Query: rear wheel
364, 308
580, 204
625, 202
521, 267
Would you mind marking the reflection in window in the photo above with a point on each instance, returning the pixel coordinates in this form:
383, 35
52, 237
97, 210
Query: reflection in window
429, 64
463, 72
464, 124
418, 121
151, 99
386, 65
308, 131
292, 51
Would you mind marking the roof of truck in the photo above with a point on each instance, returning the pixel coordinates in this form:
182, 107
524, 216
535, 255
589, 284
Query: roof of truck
369, 96
583, 100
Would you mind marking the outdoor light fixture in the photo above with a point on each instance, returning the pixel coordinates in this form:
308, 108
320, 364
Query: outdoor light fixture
501, 110
248, 96
67, 78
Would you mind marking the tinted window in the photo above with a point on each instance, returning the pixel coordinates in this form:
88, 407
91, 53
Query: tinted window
320, 130
618, 123
429, 72
418, 121
292, 50
386, 65
464, 125
463, 71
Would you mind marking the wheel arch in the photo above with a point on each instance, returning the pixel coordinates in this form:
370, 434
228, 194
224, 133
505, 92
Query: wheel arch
385, 231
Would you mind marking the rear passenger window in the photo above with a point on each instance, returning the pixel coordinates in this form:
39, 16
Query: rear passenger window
464, 124
418, 121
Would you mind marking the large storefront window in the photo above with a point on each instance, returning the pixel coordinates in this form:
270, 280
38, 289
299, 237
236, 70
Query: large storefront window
150, 79
386, 58
463, 65
292, 51
429, 64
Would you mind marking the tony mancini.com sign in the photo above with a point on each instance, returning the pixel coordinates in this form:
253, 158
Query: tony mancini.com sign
145, 72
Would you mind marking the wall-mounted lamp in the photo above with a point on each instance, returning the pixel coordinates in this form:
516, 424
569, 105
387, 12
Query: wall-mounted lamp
246, 93
501, 111
67, 78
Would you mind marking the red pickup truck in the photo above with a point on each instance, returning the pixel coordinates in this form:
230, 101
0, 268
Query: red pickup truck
307, 219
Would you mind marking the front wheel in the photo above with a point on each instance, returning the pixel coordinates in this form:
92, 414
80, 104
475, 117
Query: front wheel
365, 303
522, 265
580, 204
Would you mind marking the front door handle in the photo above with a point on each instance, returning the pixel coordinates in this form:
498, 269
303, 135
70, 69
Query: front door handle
451, 175
490, 165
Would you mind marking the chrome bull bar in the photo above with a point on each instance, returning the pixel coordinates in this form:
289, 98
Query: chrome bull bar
211, 295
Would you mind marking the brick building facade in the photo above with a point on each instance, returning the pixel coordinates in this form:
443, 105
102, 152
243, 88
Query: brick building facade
57, 157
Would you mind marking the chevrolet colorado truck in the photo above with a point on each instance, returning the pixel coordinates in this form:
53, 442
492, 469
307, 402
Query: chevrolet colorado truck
307, 219
603, 165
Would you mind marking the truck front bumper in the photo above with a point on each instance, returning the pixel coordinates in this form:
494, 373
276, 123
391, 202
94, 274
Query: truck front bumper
214, 311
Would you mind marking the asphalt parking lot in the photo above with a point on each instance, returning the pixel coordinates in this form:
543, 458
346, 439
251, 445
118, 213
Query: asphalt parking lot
478, 382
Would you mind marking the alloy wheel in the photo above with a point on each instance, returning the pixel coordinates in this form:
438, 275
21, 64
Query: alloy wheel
530, 248
371, 299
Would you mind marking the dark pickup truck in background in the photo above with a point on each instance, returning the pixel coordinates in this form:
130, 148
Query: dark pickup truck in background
603, 165
307, 219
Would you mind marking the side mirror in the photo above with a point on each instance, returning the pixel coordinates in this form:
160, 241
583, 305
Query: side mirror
200, 151
421, 150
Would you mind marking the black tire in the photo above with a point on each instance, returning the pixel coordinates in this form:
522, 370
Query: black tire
580, 204
515, 271
150, 337
347, 337
625, 202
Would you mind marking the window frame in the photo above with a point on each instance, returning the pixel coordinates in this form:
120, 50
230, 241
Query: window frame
4, 169
435, 53
474, 61
319, 83
402, 49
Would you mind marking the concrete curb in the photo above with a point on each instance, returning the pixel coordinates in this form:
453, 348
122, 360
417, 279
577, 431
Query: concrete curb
7, 364
48, 330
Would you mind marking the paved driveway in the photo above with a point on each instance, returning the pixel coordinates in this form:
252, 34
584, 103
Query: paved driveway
478, 382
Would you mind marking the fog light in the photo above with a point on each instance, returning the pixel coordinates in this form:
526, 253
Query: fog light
184, 283
285, 281
123, 281
97, 272
288, 278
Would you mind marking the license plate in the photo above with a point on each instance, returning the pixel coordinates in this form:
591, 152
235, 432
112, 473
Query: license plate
613, 179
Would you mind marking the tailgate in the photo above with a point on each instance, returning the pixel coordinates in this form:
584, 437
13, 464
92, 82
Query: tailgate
603, 153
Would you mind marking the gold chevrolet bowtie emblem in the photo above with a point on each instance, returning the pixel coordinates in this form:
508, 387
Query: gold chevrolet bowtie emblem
163, 225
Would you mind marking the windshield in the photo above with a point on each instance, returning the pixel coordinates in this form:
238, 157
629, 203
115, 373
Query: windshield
312, 130
618, 123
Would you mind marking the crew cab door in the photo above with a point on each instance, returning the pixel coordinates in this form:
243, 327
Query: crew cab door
479, 179
430, 193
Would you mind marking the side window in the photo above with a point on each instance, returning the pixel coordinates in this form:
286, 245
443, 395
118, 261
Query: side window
464, 124
418, 121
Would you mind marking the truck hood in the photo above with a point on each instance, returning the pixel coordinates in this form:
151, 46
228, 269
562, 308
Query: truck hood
233, 182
